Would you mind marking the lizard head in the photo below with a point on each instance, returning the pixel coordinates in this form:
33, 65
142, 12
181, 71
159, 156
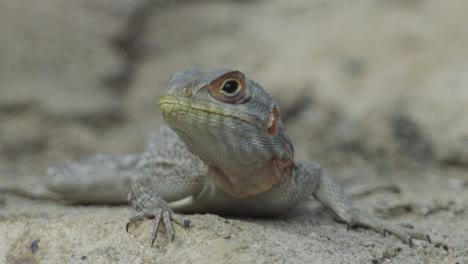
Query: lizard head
226, 119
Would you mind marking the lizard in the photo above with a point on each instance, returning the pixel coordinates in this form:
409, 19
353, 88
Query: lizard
224, 150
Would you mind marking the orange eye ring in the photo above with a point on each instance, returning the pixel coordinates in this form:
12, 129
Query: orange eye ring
229, 88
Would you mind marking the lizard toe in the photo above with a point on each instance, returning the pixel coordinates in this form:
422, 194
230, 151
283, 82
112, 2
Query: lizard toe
157, 220
166, 216
402, 231
135, 218
181, 220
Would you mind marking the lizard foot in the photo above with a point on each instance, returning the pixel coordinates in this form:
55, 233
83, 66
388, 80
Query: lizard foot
160, 215
402, 232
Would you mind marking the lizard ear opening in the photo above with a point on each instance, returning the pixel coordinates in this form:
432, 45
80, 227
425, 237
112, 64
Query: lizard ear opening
272, 122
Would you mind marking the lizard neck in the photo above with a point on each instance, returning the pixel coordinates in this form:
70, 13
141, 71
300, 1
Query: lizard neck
241, 164
251, 181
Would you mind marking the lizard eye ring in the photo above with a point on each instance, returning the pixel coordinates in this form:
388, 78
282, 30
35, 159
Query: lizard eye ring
230, 88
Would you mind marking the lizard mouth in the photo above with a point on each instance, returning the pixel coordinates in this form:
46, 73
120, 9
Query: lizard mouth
173, 106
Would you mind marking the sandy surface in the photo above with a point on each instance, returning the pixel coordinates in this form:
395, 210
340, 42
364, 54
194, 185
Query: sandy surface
387, 89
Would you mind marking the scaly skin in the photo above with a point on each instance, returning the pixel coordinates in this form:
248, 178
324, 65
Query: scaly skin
231, 134
225, 151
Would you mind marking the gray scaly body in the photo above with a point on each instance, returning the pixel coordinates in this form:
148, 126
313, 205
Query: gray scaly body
224, 151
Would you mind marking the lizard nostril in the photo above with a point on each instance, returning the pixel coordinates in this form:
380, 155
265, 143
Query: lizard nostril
186, 92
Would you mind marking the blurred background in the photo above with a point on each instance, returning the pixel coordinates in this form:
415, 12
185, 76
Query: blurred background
370, 84
374, 90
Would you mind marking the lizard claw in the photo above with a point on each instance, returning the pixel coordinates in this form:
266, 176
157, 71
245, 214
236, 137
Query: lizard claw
160, 215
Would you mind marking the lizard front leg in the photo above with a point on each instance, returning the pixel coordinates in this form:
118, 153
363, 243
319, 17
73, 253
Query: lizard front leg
167, 172
334, 198
144, 197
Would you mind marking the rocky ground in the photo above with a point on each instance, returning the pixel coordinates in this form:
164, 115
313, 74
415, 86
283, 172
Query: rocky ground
373, 90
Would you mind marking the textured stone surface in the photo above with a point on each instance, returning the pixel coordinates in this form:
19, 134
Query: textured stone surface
96, 234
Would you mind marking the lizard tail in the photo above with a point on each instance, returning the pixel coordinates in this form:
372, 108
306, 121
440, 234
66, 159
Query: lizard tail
38, 192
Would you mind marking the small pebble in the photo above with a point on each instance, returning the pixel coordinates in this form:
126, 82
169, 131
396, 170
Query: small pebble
35, 246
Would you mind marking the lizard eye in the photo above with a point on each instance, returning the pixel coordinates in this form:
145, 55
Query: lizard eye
231, 87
